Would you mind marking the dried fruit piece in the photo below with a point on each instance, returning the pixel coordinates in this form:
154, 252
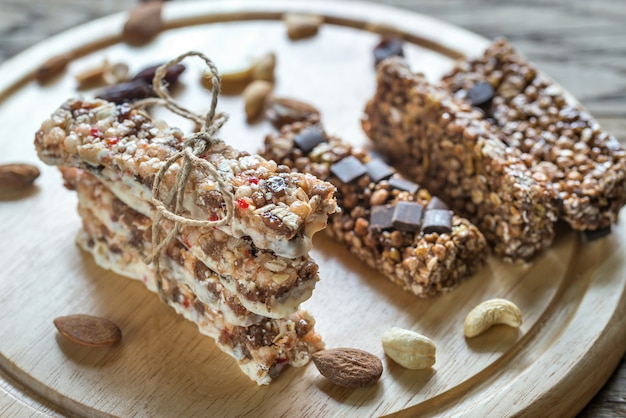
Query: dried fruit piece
301, 25
255, 96
408, 348
348, 367
15, 177
144, 23
52, 67
126, 92
283, 111
489, 313
89, 330
171, 75
388, 46
264, 66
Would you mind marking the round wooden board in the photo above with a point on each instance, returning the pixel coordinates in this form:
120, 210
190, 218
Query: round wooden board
572, 297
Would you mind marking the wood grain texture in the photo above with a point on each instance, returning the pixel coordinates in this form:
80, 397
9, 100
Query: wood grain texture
550, 33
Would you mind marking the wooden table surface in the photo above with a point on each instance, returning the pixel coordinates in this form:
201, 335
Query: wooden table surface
580, 43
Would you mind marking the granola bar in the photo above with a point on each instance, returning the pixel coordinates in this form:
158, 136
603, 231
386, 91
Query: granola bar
263, 283
446, 145
261, 350
387, 221
566, 146
278, 210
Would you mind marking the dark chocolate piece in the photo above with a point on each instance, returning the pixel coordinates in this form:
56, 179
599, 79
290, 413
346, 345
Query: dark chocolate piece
348, 169
481, 94
276, 185
592, 235
436, 203
381, 217
378, 170
407, 216
437, 221
308, 139
400, 183
388, 46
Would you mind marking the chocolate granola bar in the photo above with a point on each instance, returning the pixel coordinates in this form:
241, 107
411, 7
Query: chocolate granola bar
278, 210
566, 146
387, 221
449, 147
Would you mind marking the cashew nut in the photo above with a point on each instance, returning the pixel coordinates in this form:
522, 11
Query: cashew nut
491, 312
409, 349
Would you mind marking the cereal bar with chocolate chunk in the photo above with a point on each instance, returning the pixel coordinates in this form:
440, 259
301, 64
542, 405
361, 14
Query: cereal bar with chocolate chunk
387, 221
278, 210
565, 145
261, 349
444, 144
263, 282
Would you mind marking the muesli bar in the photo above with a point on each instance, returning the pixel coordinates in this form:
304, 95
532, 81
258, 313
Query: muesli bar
263, 283
261, 349
280, 211
444, 144
387, 221
585, 164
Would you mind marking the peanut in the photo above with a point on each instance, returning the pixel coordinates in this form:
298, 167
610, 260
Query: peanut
408, 348
301, 26
489, 313
255, 97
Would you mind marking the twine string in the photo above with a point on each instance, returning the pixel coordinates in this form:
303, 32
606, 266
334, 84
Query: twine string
172, 206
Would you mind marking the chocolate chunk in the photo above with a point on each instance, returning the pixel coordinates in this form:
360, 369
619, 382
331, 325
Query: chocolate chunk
481, 94
388, 46
276, 185
407, 216
592, 235
397, 182
381, 217
437, 221
348, 169
378, 170
308, 139
436, 203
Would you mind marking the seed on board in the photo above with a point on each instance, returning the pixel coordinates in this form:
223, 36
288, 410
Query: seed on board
300, 25
264, 66
348, 367
283, 111
489, 313
89, 330
143, 23
16, 177
105, 73
52, 68
255, 97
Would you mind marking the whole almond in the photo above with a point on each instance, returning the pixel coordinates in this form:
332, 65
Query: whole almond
15, 177
144, 23
255, 97
283, 111
348, 367
89, 330
264, 67
52, 67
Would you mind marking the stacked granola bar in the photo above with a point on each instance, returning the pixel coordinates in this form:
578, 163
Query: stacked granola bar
565, 146
241, 282
445, 144
387, 221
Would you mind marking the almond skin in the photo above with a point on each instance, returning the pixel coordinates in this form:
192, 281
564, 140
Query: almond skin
15, 177
88, 330
348, 367
144, 23
283, 111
